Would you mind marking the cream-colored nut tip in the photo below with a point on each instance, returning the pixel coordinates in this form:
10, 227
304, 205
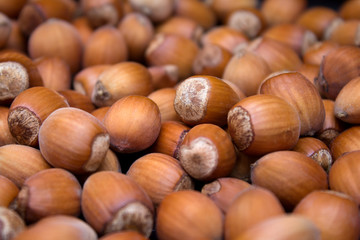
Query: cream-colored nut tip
199, 158
239, 121
191, 99
246, 22
134, 215
99, 149
13, 80
24, 125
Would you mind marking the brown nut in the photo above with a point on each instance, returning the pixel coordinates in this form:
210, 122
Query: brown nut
183, 26
277, 55
73, 139
344, 175
207, 152
345, 107
201, 220
289, 226
204, 99
29, 110
18, 162
120, 80
223, 191
106, 45
317, 19
316, 149
211, 60
44, 194
349, 10
122, 205
260, 124
138, 32
346, 141
293, 35
56, 37
252, 72
337, 68
198, 11
171, 135
59, 227
343, 222
292, 183
139, 129
159, 175
288, 13
172, 49
294, 88
250, 207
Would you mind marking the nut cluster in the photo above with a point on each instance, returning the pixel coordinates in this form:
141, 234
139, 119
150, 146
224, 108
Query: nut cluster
179, 119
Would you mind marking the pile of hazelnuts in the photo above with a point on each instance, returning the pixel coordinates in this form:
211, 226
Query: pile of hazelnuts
179, 119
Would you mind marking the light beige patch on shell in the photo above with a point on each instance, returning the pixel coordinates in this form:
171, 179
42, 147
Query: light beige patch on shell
191, 99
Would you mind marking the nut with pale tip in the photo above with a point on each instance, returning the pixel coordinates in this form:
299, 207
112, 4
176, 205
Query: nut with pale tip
294, 88
43, 194
316, 149
207, 152
292, 183
73, 139
159, 175
223, 191
204, 99
263, 123
121, 205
